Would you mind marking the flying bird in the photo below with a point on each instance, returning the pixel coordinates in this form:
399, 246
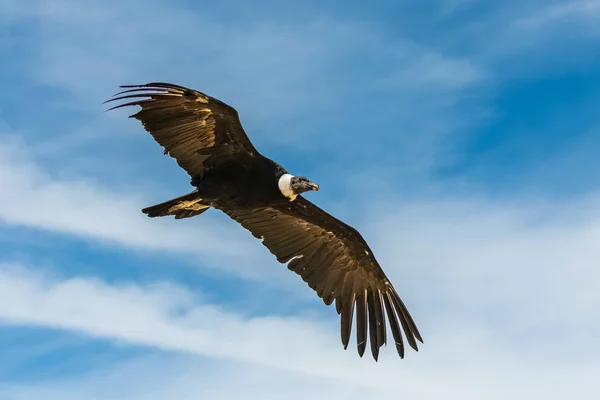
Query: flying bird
206, 138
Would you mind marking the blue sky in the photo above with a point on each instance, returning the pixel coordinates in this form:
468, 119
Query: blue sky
459, 136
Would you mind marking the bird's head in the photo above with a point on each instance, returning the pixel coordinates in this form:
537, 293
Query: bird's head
291, 186
300, 184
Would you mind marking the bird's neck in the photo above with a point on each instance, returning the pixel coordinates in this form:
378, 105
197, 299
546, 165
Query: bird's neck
285, 186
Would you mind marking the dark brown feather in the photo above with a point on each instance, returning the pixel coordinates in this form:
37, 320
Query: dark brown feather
375, 341
361, 322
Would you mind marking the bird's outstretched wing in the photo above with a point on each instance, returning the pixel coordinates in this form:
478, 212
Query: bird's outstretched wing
336, 262
190, 125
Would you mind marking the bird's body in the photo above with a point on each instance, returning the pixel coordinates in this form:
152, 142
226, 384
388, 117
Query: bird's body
206, 138
252, 182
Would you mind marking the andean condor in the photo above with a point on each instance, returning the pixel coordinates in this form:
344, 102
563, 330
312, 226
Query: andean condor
207, 140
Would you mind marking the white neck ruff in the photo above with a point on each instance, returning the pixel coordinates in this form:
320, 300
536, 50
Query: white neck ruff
285, 186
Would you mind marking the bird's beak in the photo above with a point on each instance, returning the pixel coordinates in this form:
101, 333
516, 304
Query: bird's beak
314, 186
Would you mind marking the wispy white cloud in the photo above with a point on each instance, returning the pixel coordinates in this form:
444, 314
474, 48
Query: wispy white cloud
438, 71
579, 10
465, 354
168, 318
35, 199
515, 39
180, 377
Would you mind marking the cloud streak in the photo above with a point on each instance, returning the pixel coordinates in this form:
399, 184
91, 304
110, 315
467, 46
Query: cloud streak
171, 318
582, 11
35, 199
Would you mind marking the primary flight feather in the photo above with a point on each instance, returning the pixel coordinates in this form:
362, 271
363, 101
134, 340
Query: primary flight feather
206, 138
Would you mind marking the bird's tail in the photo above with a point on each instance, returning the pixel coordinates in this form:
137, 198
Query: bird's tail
185, 206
